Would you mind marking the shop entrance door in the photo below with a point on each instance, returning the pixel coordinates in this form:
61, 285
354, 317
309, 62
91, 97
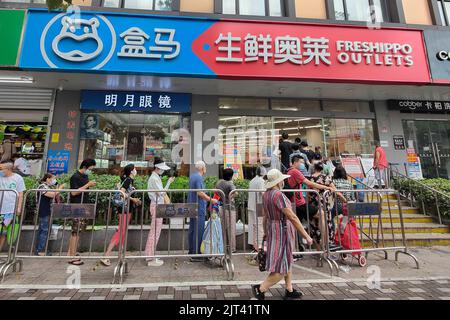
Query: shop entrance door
432, 143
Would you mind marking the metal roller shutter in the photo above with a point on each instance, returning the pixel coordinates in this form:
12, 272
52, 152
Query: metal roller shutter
27, 105
20, 98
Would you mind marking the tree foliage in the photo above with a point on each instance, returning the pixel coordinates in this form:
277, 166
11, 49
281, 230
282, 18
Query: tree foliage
58, 4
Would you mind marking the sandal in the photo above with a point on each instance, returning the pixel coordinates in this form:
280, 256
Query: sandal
77, 262
105, 262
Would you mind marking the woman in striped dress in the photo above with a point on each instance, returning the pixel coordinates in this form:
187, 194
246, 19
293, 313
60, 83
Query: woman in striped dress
280, 225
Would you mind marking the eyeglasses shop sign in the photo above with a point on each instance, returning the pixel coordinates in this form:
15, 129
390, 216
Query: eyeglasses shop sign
140, 101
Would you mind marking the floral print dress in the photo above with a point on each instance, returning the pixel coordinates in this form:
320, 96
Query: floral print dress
327, 205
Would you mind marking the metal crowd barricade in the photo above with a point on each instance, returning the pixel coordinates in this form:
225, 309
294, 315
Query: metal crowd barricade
359, 225
8, 232
178, 210
64, 212
239, 204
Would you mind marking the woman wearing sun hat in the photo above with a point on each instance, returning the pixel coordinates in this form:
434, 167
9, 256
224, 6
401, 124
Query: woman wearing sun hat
280, 225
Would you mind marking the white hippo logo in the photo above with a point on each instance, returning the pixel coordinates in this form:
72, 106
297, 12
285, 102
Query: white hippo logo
68, 31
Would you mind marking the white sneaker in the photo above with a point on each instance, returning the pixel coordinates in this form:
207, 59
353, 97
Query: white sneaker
155, 263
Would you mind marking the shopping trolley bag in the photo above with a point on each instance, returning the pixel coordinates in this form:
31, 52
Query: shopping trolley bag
212, 238
212, 242
347, 235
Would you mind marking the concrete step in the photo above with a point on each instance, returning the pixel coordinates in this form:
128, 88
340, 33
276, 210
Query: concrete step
395, 209
393, 203
407, 217
414, 239
409, 228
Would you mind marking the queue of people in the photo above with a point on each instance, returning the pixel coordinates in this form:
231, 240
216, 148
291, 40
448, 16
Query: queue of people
278, 226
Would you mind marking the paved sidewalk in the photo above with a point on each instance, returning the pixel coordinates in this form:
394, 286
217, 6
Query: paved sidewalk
398, 290
181, 279
54, 273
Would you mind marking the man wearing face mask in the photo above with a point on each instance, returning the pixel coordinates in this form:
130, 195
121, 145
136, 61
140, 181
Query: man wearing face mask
79, 181
155, 183
9, 181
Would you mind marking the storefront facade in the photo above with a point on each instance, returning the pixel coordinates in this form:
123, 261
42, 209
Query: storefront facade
24, 112
240, 83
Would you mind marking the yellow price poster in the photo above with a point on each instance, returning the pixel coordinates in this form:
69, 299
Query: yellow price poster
55, 137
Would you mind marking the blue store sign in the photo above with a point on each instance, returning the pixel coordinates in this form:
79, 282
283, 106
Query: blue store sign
155, 102
58, 161
112, 42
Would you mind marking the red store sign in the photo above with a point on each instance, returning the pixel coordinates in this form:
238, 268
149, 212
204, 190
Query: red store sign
236, 49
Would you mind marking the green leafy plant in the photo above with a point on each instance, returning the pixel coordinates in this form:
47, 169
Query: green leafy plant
103, 200
420, 194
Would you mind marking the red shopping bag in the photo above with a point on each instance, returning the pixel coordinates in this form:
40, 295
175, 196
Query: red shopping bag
348, 235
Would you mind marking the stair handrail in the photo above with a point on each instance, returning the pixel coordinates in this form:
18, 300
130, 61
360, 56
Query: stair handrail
433, 190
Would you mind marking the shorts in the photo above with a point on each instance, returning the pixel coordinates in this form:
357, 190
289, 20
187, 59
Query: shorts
5, 221
79, 225
303, 211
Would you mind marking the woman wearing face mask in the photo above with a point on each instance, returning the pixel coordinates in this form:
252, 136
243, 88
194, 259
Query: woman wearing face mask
127, 186
45, 199
155, 183
280, 224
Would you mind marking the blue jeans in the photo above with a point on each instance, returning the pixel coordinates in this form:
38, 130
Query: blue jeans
196, 242
380, 176
42, 234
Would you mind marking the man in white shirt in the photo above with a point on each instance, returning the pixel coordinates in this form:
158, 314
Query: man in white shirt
155, 183
255, 225
21, 165
10, 206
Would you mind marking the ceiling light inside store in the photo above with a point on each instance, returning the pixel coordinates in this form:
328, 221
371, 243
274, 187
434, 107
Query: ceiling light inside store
22, 79
231, 118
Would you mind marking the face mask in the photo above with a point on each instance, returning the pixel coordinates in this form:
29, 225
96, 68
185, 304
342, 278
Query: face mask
53, 182
2, 174
134, 172
88, 172
302, 167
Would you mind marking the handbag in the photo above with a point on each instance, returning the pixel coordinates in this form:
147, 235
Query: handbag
261, 257
118, 199
166, 199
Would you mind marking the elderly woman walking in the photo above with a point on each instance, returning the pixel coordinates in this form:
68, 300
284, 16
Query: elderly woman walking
280, 225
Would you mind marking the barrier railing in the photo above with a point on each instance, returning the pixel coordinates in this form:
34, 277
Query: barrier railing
65, 209
9, 202
311, 216
360, 227
174, 205
218, 242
